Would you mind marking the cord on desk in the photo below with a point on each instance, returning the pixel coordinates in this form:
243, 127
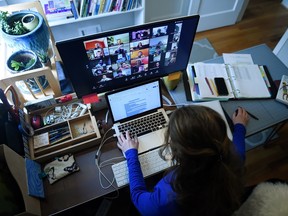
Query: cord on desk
106, 116
103, 164
166, 100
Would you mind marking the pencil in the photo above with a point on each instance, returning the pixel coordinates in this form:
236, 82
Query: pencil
207, 81
214, 87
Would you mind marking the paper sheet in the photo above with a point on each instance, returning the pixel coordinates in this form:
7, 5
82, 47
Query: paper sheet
237, 59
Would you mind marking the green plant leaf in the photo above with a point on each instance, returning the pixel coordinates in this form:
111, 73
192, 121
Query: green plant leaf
30, 63
17, 65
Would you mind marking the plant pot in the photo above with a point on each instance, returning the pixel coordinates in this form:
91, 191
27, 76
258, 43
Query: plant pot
29, 61
24, 56
36, 40
30, 21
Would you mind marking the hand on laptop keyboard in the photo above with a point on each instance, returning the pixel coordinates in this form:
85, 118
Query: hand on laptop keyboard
127, 142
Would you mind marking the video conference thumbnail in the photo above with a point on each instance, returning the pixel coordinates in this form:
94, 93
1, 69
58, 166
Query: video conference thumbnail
133, 52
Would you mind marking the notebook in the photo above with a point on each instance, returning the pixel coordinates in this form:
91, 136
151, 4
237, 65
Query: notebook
137, 102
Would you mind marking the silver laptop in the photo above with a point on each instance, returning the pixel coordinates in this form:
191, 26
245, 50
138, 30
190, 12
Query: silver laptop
139, 109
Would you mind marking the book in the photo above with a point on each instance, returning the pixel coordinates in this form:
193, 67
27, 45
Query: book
113, 6
106, 6
282, 93
92, 7
101, 8
57, 9
118, 5
124, 5
74, 9
81, 8
211, 81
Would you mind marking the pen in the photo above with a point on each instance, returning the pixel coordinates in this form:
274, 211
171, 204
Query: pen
207, 81
251, 115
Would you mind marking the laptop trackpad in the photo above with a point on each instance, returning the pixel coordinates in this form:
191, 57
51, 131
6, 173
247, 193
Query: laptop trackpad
151, 140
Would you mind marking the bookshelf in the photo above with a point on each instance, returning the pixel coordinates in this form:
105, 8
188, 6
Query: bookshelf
96, 23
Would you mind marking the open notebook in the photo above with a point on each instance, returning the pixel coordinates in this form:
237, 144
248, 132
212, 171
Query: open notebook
136, 105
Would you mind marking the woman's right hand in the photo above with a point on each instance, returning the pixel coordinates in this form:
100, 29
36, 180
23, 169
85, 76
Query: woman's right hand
127, 143
240, 116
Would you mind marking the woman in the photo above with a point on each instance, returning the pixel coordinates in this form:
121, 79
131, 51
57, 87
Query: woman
206, 178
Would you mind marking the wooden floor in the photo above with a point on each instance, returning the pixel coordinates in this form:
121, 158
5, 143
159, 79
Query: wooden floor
264, 21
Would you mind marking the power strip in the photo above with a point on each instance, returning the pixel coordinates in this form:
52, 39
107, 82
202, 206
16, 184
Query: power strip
40, 103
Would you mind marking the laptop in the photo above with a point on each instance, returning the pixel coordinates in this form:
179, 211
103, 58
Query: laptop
138, 104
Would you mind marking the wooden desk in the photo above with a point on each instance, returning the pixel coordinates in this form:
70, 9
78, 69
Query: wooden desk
83, 186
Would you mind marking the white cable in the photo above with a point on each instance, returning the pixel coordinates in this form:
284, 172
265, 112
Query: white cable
172, 105
101, 165
166, 99
106, 116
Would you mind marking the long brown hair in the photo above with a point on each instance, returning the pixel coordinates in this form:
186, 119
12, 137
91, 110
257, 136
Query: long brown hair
207, 171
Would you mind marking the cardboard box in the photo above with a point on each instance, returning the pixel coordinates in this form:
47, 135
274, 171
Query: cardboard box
16, 165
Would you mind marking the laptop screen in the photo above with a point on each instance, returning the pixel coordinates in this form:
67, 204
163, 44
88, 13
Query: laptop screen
134, 101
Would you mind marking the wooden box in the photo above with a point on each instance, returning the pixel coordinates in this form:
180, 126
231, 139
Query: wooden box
64, 137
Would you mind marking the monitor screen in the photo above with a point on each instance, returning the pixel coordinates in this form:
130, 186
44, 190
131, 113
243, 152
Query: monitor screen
110, 60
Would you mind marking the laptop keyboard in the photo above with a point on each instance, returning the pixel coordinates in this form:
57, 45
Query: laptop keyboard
144, 125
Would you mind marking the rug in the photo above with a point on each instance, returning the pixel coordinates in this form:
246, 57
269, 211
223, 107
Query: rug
202, 50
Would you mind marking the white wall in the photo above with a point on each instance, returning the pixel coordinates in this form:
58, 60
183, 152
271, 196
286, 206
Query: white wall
165, 9
281, 49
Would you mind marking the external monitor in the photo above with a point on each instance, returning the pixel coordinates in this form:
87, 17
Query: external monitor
114, 59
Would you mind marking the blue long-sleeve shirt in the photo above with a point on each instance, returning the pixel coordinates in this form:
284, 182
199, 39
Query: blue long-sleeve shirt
162, 201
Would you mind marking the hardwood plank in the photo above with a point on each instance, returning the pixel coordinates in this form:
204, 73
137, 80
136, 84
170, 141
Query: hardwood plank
263, 22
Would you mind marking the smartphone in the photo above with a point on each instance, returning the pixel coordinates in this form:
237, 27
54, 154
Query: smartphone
221, 86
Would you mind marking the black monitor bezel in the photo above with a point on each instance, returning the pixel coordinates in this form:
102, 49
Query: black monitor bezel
70, 75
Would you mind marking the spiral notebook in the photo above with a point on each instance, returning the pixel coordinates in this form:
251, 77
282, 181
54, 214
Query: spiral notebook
210, 81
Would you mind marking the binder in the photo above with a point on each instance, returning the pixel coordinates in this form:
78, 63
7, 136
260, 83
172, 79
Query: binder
241, 81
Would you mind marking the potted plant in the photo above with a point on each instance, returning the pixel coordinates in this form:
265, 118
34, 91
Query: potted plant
30, 21
25, 60
25, 30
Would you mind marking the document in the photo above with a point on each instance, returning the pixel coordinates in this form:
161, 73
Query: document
215, 105
210, 81
237, 59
